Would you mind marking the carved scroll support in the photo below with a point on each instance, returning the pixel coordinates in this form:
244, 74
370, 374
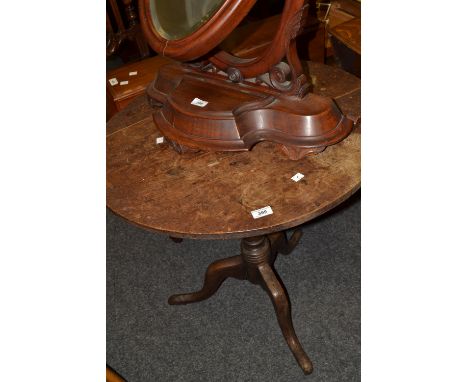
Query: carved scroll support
279, 66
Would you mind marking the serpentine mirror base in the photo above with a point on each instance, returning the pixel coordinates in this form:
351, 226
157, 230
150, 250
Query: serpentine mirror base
197, 110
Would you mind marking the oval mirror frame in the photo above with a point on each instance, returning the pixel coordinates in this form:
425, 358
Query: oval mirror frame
202, 40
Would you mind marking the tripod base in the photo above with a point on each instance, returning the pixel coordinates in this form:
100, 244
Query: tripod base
255, 264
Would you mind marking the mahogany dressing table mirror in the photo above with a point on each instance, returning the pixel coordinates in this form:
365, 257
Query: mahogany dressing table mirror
215, 101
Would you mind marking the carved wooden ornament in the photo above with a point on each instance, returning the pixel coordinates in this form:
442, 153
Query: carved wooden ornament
226, 103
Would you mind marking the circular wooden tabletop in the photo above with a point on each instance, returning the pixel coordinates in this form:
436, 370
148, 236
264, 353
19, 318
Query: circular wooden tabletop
211, 194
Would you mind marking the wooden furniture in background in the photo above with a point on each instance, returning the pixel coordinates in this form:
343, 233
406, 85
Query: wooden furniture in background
343, 25
346, 40
119, 29
211, 195
342, 11
118, 96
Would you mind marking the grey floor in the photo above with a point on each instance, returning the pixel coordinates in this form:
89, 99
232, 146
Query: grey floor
234, 336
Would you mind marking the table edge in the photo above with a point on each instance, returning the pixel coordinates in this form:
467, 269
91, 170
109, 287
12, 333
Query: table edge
243, 234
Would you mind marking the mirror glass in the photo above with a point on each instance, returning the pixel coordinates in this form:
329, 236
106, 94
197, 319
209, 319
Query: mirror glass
175, 19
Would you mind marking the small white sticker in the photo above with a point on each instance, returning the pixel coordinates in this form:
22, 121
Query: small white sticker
113, 81
133, 73
297, 177
123, 83
159, 140
261, 212
199, 102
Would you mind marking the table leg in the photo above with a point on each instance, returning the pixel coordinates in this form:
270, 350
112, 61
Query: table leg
259, 254
280, 301
216, 273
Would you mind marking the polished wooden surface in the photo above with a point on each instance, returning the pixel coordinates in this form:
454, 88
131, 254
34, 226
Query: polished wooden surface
246, 100
211, 195
203, 39
237, 116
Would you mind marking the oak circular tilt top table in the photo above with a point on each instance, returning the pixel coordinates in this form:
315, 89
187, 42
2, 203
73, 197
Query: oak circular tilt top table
210, 195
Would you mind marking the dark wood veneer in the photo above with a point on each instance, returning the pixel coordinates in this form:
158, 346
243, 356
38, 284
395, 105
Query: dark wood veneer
238, 116
249, 99
201, 41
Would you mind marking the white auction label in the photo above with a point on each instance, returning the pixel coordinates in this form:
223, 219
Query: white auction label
261, 212
159, 140
113, 81
297, 177
199, 102
123, 83
132, 73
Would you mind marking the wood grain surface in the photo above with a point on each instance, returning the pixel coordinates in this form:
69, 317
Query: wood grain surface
211, 194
